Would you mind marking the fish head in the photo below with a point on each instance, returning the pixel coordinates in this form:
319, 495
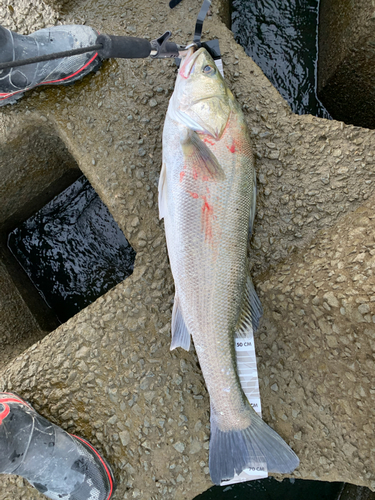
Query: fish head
201, 99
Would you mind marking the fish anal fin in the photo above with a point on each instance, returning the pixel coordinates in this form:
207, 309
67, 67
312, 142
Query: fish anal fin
180, 334
199, 158
251, 311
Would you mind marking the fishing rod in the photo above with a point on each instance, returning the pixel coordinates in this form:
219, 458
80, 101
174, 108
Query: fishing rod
110, 46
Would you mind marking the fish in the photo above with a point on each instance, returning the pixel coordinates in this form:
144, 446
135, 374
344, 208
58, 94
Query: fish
207, 198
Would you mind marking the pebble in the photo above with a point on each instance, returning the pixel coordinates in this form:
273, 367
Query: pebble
331, 299
82, 352
135, 222
364, 308
195, 447
349, 449
262, 179
180, 447
124, 437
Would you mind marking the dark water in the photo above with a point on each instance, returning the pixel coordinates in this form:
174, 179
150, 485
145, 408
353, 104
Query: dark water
281, 37
270, 489
72, 250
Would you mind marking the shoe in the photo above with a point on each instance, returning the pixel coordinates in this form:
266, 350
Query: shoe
13, 47
58, 464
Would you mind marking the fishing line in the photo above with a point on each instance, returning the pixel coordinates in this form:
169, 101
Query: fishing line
201, 17
50, 57
212, 46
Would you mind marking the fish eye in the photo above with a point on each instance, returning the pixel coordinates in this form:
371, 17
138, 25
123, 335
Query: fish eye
209, 70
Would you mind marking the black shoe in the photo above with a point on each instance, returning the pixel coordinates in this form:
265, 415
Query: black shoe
13, 47
62, 466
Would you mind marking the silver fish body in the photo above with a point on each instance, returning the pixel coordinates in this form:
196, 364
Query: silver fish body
207, 198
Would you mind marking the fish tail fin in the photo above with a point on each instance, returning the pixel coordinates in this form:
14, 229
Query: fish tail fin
233, 451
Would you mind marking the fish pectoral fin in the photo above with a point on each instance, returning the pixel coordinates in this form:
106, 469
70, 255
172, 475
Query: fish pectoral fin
197, 156
180, 334
163, 192
251, 311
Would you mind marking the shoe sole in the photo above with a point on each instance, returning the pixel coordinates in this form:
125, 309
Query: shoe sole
104, 462
13, 397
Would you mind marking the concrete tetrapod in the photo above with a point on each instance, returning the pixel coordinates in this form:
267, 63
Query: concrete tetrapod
107, 373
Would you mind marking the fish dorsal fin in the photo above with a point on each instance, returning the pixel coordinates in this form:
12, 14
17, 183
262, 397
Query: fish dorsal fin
253, 206
163, 192
180, 334
251, 311
200, 158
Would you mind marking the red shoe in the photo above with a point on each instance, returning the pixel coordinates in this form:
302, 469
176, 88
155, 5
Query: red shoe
60, 465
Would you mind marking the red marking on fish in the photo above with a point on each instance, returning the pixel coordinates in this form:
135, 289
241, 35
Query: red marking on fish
232, 148
182, 174
183, 68
205, 178
193, 195
188, 64
195, 174
209, 141
207, 218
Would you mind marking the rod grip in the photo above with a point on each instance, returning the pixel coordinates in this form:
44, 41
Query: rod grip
125, 47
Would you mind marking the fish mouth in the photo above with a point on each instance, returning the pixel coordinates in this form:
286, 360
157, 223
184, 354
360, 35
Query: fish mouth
189, 61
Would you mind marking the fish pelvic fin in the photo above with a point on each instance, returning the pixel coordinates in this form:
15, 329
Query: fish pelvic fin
200, 159
180, 334
251, 311
233, 451
163, 202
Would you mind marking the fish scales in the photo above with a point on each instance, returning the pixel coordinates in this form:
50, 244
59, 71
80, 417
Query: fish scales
207, 198
208, 258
